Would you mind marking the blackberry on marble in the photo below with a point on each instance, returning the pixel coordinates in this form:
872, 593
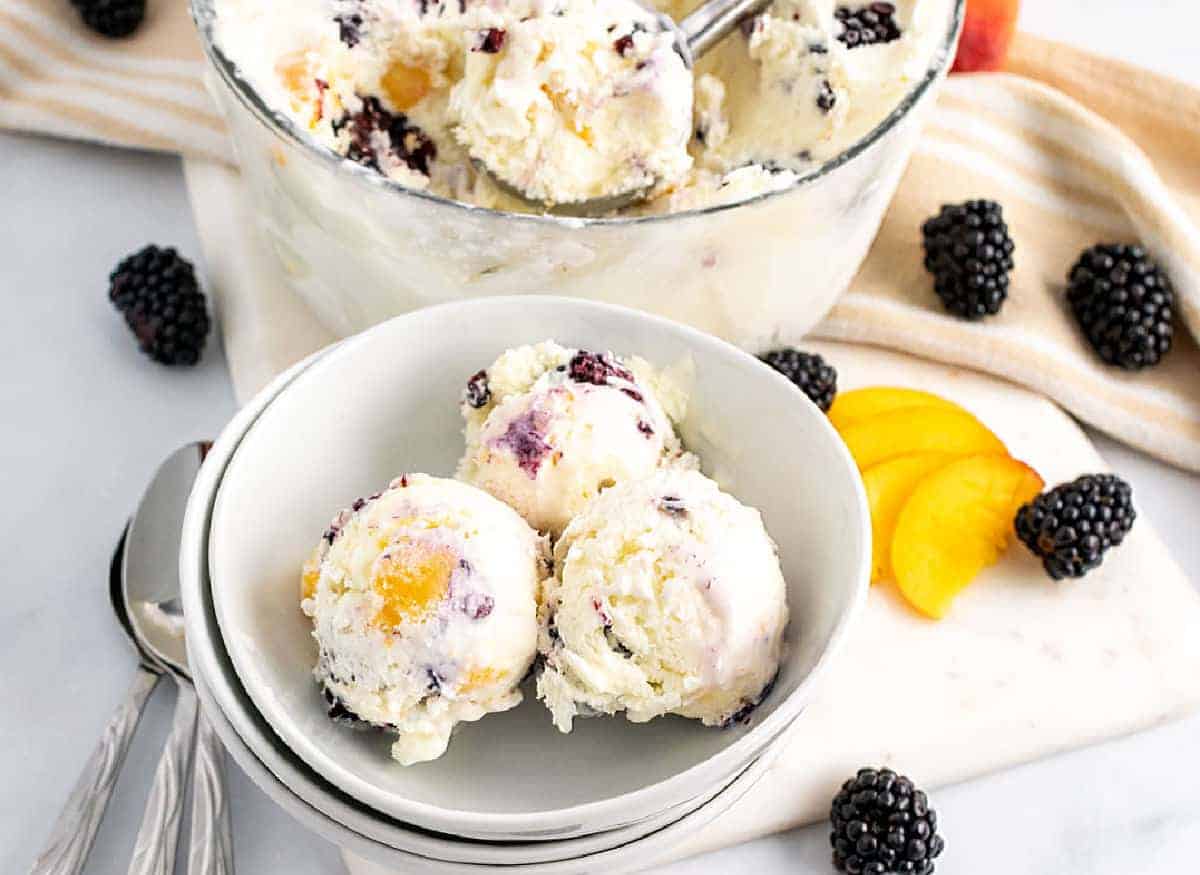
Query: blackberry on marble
1072, 526
883, 825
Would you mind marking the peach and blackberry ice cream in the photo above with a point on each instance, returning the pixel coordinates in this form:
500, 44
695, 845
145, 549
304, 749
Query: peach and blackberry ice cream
666, 598
549, 428
589, 104
574, 99
423, 604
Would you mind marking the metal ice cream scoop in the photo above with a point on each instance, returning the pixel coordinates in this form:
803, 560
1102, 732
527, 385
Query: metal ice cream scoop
693, 36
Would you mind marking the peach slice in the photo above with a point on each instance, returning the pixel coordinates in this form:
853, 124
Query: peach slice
889, 485
859, 404
956, 523
918, 430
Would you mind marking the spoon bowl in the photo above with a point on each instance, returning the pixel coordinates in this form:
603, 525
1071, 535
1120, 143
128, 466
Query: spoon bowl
149, 575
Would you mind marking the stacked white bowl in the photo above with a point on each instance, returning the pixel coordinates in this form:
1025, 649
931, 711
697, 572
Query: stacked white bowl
511, 791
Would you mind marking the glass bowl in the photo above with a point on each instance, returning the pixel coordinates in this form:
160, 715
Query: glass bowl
360, 248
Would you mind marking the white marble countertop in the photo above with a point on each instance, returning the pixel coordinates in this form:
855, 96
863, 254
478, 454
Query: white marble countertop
87, 419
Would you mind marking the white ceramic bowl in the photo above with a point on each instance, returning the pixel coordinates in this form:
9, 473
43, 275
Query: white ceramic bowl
354, 838
289, 780
386, 402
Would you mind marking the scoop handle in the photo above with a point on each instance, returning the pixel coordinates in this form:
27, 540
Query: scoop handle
710, 23
73, 834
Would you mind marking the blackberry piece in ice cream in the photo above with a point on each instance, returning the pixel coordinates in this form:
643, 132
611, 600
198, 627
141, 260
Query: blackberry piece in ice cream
407, 143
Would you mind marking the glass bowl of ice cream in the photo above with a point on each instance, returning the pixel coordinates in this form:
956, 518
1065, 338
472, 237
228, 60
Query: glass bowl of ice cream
360, 125
509, 631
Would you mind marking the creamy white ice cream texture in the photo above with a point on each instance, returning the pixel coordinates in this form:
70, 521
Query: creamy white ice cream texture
423, 603
568, 108
667, 598
585, 105
548, 428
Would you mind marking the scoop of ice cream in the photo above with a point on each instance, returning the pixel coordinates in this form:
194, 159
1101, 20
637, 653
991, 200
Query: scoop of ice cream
832, 70
666, 598
590, 103
423, 602
550, 428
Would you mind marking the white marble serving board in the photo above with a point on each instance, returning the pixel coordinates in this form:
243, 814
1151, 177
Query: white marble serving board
1021, 668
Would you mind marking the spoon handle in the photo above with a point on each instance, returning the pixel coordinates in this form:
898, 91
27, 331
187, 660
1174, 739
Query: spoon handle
154, 849
211, 850
71, 839
709, 24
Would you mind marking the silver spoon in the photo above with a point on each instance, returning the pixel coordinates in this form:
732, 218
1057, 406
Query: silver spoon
150, 583
74, 832
695, 35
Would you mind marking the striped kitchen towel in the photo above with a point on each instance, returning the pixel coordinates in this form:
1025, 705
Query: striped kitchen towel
145, 91
1079, 149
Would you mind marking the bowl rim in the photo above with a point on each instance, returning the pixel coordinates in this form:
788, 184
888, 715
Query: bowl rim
203, 14
348, 837
310, 788
612, 811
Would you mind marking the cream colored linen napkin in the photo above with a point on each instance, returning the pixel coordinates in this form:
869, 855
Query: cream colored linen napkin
56, 77
1038, 142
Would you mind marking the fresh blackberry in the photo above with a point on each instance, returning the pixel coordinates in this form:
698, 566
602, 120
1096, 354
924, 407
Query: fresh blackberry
969, 253
1124, 303
812, 375
113, 18
478, 393
1072, 526
883, 825
826, 97
156, 290
867, 25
